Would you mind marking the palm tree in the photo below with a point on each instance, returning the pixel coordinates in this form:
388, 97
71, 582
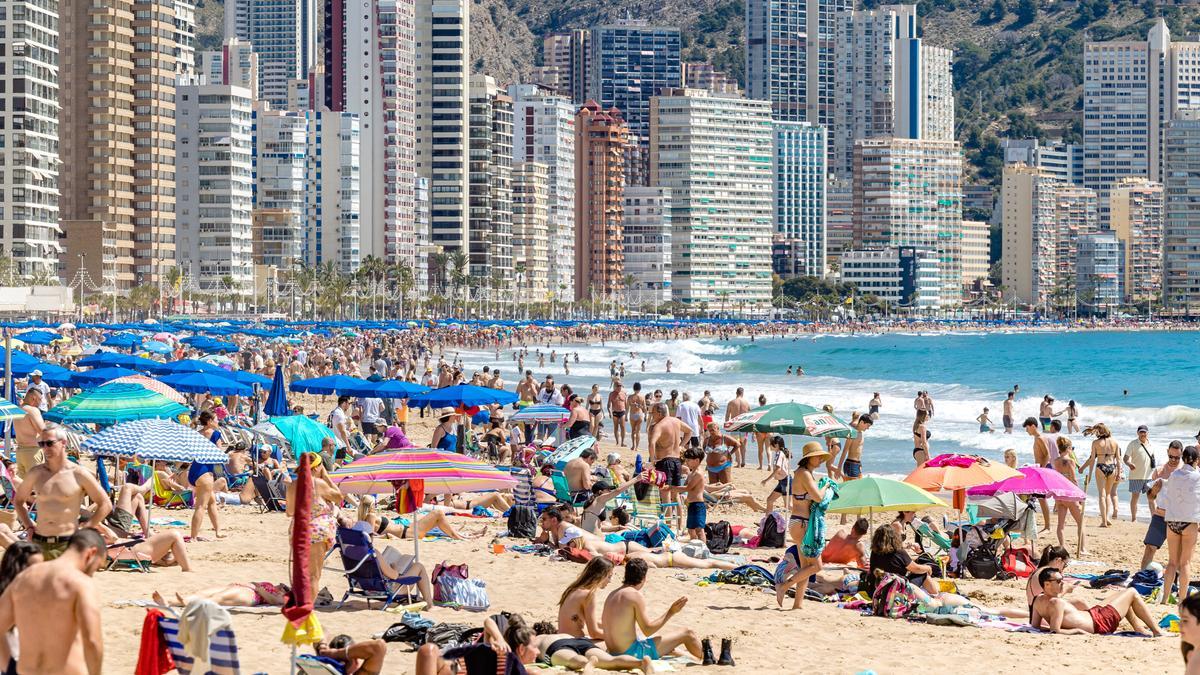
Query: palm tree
458, 272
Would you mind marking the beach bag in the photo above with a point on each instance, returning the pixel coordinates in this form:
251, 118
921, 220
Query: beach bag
770, 535
453, 586
981, 563
522, 522
893, 597
448, 635
934, 563
719, 536
1017, 561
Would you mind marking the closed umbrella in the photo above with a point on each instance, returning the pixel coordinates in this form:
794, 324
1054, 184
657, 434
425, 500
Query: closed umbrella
792, 418
113, 403
277, 404
462, 395
154, 439
302, 625
201, 383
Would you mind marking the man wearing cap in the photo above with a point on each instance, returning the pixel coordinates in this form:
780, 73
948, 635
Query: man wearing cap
36, 382
1139, 458
28, 430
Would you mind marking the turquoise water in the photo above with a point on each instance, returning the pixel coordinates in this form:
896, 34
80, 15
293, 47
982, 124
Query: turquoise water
964, 372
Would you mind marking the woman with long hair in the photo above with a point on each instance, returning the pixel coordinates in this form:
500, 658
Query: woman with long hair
577, 604
322, 524
1181, 509
1105, 456
804, 493
1065, 464
1056, 557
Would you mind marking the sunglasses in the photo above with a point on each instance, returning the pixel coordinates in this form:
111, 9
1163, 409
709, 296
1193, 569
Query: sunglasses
47, 444
1174, 458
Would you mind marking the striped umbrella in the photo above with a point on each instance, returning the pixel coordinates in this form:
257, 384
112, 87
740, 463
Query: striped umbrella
9, 412
154, 439
153, 385
442, 472
542, 413
95, 377
112, 403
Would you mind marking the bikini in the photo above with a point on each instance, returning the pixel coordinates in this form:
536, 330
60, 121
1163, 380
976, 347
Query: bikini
794, 517
1178, 526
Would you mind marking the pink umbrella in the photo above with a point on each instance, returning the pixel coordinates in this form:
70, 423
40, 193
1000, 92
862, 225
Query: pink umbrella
1034, 480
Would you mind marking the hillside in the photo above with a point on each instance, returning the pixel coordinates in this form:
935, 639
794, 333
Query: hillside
1018, 63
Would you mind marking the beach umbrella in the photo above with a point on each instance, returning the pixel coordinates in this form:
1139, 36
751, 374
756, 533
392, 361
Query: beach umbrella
98, 376
122, 341
117, 359
248, 378
220, 360
22, 363
1006, 505
959, 472
53, 375
201, 383
544, 413
113, 403
302, 625
153, 385
791, 418
331, 384
156, 347
1034, 480
164, 336
302, 433
186, 366
871, 493
462, 395
154, 439
10, 412
37, 337
393, 389
277, 404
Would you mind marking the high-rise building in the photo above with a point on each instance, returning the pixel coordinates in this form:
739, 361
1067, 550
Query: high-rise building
565, 58
544, 132
601, 142
976, 252
800, 175
1181, 184
235, 63
443, 91
369, 71
216, 180
1131, 90
700, 75
647, 242
889, 82
1075, 216
530, 235
1098, 288
29, 119
908, 192
1064, 161
714, 152
791, 57
839, 219
280, 145
117, 136
333, 208
185, 37
1029, 234
1136, 217
489, 253
632, 61
283, 34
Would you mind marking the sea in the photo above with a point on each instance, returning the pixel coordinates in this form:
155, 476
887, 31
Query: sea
1121, 378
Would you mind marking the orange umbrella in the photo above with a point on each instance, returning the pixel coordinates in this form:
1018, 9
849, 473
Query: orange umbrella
958, 472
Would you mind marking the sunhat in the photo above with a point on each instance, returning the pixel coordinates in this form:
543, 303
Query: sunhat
443, 413
813, 449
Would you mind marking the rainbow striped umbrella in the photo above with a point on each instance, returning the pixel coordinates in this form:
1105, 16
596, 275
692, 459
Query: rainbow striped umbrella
153, 385
112, 403
442, 472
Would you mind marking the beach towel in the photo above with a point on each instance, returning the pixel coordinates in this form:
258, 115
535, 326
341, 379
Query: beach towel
223, 652
198, 622
814, 536
153, 656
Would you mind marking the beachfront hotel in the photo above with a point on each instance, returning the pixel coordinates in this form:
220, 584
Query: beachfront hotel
280, 144
1075, 217
332, 191
790, 57
715, 153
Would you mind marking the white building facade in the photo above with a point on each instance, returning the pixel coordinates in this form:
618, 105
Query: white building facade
647, 237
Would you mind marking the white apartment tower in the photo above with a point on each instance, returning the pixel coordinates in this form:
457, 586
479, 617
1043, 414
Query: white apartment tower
1029, 233
235, 63
283, 34
489, 254
544, 132
332, 190
29, 214
215, 186
280, 146
791, 57
889, 83
647, 237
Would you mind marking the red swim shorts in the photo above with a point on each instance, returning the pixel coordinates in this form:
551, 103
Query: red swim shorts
1105, 619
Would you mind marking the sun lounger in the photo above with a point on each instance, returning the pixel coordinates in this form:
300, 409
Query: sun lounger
311, 665
364, 578
116, 562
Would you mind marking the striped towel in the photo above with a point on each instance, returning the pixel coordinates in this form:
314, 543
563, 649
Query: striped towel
222, 650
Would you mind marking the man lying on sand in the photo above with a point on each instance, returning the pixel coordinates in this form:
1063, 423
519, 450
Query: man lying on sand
1051, 611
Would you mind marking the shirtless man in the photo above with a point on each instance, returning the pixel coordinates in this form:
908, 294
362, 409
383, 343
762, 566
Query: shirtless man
60, 487
625, 613
736, 407
578, 473
637, 413
28, 430
665, 445
617, 401
1041, 457
852, 450
697, 508
1049, 610
56, 598
1008, 413
527, 388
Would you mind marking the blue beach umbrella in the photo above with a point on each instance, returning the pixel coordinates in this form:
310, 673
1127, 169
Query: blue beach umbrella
54, 375
156, 347
394, 389
200, 383
37, 337
462, 395
331, 384
108, 359
155, 439
187, 366
248, 378
122, 341
277, 404
98, 376
22, 363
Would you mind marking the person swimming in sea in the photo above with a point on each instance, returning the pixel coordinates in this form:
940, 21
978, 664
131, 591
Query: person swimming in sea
789, 370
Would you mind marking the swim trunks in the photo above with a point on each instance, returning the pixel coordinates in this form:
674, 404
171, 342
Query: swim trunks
640, 649
697, 515
1104, 619
1008, 422
578, 645
52, 547
673, 468
852, 468
782, 486
1156, 534
120, 520
1138, 486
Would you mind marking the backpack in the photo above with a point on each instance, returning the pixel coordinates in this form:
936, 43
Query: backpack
1017, 561
447, 635
719, 536
894, 597
522, 522
770, 535
981, 562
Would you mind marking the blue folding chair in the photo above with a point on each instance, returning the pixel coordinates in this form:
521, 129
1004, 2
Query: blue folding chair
364, 578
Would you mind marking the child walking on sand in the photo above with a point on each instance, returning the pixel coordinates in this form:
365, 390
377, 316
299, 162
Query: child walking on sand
697, 510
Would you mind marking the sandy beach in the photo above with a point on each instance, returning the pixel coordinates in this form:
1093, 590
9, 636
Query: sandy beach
820, 638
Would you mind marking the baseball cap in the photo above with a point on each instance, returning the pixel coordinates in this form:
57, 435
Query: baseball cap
35, 373
1142, 428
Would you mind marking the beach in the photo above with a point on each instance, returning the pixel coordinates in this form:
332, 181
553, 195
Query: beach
820, 638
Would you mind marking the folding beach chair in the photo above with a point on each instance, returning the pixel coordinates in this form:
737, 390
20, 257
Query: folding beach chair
115, 562
273, 499
222, 651
315, 665
562, 490
169, 498
648, 510
364, 578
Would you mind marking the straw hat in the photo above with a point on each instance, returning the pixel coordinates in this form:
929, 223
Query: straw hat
813, 449
443, 413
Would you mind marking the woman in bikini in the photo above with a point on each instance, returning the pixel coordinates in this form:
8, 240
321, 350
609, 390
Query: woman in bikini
920, 434
595, 409
637, 412
1106, 457
804, 493
578, 423
719, 450
577, 605
1181, 509
252, 594
781, 460
1065, 464
543, 486
402, 527
322, 524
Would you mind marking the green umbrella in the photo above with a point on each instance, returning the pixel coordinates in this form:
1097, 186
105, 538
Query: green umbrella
113, 403
792, 418
302, 433
870, 494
